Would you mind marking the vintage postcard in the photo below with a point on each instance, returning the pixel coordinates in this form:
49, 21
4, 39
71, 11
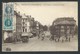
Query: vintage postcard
39, 26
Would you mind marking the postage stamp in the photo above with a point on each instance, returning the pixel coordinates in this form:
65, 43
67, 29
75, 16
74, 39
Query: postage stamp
8, 16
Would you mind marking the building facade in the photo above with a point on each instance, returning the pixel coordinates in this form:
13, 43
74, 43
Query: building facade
26, 23
64, 27
17, 26
30, 25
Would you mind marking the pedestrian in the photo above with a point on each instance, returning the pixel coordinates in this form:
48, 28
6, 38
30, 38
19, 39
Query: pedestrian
51, 38
42, 35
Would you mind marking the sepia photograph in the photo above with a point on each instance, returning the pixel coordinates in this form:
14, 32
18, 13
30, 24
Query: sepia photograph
39, 26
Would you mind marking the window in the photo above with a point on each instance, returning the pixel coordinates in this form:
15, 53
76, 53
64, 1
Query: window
67, 26
25, 30
62, 26
62, 30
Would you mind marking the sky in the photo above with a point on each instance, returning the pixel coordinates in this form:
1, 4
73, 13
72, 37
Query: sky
47, 12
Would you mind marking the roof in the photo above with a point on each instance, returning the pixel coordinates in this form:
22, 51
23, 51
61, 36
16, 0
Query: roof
17, 14
24, 16
65, 20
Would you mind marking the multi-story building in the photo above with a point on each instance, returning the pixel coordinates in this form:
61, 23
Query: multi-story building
25, 23
30, 25
17, 25
64, 26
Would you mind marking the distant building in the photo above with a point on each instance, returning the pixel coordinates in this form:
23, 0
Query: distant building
64, 26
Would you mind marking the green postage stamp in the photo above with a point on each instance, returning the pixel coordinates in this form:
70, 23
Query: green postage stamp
8, 12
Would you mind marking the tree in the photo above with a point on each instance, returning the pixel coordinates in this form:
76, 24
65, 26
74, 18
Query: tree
52, 31
40, 26
45, 28
51, 28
